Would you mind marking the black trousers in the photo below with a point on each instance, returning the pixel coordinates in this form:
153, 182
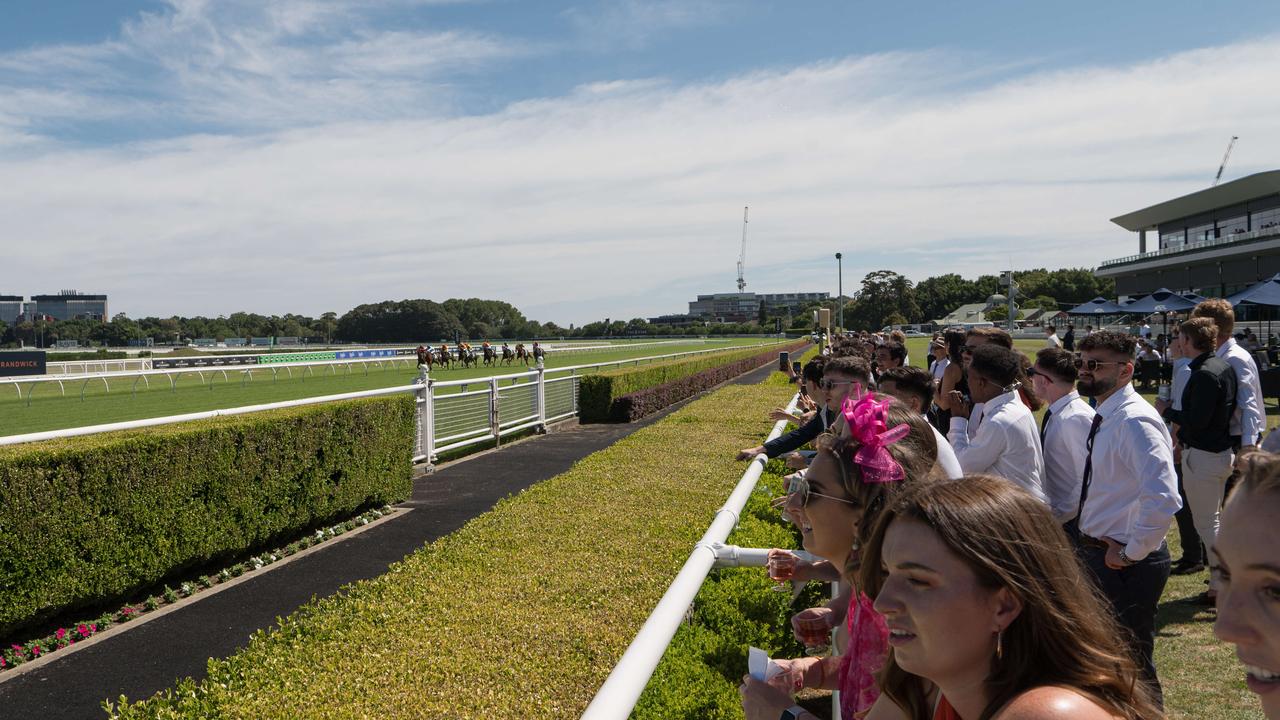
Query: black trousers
1192, 546
1134, 593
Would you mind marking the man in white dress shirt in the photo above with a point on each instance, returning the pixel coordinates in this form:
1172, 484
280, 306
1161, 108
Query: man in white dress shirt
1129, 492
1006, 441
1249, 420
1063, 431
913, 386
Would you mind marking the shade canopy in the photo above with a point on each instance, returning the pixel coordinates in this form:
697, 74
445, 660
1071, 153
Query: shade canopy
1097, 306
1162, 300
1266, 292
1197, 299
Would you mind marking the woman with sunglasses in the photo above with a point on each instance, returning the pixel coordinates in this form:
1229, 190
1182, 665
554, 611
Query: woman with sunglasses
990, 615
835, 504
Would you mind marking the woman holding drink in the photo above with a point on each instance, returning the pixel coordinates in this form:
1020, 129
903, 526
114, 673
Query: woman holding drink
835, 505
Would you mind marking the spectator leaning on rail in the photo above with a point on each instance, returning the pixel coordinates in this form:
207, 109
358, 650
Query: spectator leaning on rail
913, 387
1204, 432
839, 375
1247, 558
989, 615
853, 478
1249, 419
1063, 430
1006, 442
1128, 493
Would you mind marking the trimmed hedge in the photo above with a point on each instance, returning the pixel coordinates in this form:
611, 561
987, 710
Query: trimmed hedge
628, 394
90, 520
524, 611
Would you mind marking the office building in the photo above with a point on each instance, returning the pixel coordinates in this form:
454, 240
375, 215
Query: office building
69, 305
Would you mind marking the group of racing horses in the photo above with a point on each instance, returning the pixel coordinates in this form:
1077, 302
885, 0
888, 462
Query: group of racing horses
468, 356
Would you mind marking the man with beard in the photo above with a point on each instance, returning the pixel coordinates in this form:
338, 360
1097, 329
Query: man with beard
1129, 492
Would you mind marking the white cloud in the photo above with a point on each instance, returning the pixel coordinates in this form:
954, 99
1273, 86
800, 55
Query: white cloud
622, 199
633, 24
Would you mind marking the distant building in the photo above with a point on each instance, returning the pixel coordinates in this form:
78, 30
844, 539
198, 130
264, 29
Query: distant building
745, 307
69, 305
10, 308
1214, 242
676, 320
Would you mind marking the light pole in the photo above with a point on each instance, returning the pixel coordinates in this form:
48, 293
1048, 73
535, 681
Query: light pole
839, 292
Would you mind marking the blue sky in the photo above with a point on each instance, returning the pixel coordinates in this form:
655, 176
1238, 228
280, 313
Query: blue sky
590, 159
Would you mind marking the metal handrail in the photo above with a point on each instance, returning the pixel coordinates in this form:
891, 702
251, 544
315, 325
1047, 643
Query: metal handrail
622, 689
1192, 246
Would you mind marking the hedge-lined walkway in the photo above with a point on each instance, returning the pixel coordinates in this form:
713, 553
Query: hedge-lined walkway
153, 656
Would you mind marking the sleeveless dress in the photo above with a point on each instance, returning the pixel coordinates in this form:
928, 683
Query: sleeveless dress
867, 650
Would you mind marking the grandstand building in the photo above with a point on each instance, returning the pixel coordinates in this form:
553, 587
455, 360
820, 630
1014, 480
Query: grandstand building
69, 305
1214, 242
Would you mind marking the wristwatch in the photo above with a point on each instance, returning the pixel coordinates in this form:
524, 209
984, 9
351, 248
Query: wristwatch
793, 713
1125, 558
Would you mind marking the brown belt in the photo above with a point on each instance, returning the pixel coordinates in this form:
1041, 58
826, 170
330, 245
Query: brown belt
1090, 540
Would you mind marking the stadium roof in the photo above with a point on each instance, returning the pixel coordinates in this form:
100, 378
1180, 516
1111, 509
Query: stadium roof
1237, 191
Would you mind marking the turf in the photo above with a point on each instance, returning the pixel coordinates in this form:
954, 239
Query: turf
117, 401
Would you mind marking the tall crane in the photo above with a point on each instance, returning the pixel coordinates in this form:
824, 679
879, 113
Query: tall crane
1225, 157
742, 256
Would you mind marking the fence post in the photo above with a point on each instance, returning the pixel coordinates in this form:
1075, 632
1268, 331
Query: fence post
493, 412
429, 412
423, 420
541, 401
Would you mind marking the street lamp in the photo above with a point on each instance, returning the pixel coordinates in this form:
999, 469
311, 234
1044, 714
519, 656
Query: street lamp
839, 292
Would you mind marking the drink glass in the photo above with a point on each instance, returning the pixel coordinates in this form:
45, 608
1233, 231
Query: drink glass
814, 632
781, 568
1163, 392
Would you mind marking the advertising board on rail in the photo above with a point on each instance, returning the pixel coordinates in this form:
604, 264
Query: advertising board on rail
22, 362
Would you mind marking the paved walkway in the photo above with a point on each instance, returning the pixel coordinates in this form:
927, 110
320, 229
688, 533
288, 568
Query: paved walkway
153, 656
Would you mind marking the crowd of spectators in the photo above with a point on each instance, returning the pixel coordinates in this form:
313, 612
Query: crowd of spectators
994, 566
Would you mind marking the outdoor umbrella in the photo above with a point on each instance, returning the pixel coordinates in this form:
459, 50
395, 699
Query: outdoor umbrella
1097, 306
1163, 301
1265, 293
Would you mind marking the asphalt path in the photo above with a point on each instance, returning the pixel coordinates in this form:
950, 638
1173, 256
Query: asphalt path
152, 656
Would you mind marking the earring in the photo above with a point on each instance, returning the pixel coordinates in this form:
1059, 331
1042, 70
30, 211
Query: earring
999, 645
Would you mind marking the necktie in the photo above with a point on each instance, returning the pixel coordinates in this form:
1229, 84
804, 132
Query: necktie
1044, 426
1088, 464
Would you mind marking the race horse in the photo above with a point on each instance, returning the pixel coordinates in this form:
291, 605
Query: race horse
443, 358
507, 354
467, 356
522, 354
490, 355
425, 357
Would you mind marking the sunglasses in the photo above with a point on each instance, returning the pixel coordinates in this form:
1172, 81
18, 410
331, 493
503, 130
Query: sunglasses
801, 492
1092, 365
829, 384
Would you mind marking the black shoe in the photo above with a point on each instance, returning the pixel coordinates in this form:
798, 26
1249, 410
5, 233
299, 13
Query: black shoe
1205, 599
1182, 568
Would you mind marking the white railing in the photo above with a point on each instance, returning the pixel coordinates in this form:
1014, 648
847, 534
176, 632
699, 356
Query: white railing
618, 696
450, 414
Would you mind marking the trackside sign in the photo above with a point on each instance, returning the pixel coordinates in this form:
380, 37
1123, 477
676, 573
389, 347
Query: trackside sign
29, 362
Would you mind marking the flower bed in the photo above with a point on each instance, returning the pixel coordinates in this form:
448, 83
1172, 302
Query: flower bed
628, 394
89, 520
525, 610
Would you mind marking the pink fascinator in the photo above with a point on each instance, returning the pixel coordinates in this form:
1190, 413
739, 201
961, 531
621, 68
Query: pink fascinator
868, 424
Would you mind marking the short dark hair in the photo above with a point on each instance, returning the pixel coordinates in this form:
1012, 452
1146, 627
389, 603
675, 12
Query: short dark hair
851, 365
994, 335
1059, 363
1117, 342
998, 364
812, 370
897, 350
913, 381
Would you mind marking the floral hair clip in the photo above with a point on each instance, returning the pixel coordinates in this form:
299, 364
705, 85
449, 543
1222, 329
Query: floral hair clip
868, 424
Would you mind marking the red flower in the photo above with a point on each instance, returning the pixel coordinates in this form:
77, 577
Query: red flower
93, 628
84, 631
35, 650
62, 632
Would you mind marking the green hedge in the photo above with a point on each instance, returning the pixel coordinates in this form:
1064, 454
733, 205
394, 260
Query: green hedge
88, 520
626, 394
524, 611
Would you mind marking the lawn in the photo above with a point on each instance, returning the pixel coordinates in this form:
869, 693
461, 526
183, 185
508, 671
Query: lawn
49, 410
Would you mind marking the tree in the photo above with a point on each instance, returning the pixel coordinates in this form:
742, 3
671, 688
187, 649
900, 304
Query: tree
939, 295
1044, 302
998, 313
895, 318
883, 292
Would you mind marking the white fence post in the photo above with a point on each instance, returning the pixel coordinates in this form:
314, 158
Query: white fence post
493, 412
429, 418
419, 409
541, 400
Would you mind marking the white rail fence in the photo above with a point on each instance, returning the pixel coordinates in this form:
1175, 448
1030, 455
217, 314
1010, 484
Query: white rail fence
450, 415
618, 696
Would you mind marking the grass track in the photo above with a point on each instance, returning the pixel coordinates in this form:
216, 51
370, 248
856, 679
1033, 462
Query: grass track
51, 411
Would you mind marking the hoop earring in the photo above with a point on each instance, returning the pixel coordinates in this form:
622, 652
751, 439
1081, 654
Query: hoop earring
999, 645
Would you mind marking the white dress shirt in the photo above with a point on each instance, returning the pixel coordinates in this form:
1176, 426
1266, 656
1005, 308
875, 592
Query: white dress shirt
940, 367
1064, 453
1249, 420
1006, 443
1052, 341
947, 457
1181, 374
1134, 492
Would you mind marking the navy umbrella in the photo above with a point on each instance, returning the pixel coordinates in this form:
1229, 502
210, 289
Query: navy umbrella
1097, 306
1266, 292
1160, 301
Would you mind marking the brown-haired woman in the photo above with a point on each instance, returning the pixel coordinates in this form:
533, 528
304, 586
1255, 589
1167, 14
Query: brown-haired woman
851, 480
989, 612
1248, 576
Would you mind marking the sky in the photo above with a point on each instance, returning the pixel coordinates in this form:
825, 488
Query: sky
585, 160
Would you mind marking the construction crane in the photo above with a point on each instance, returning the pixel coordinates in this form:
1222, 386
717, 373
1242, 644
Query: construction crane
742, 256
1225, 157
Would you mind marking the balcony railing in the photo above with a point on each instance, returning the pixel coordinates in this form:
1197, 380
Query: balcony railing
1191, 247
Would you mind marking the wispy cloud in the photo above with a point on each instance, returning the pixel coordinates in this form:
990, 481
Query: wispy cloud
636, 23
617, 198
